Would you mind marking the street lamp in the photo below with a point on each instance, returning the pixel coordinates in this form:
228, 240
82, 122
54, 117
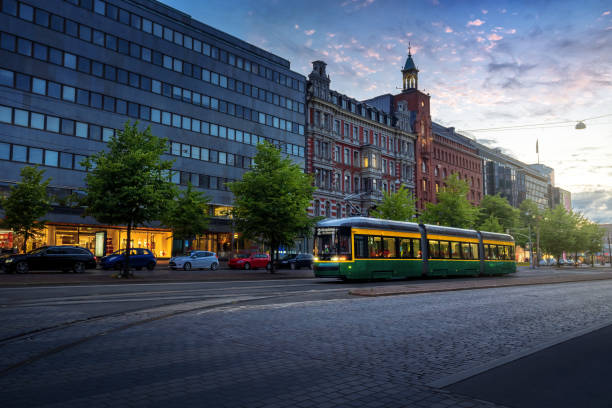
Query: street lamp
580, 125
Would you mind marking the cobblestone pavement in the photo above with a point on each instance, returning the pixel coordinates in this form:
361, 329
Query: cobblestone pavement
361, 352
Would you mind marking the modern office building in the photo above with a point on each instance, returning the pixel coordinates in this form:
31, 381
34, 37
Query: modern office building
512, 179
356, 150
73, 72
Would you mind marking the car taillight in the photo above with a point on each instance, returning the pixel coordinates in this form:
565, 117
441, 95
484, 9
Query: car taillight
216, 256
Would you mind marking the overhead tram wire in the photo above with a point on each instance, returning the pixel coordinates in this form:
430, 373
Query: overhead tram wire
535, 125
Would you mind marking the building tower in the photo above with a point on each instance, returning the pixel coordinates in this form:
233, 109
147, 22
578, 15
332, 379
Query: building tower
319, 80
410, 73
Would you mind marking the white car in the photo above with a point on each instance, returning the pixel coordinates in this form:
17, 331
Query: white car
195, 260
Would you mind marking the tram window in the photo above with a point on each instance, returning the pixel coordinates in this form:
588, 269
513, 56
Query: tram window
388, 248
465, 250
374, 247
416, 248
404, 248
444, 250
487, 251
474, 250
511, 252
504, 252
434, 249
456, 250
361, 246
494, 252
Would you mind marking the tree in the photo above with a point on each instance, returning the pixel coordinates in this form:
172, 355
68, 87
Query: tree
557, 231
592, 239
398, 206
187, 214
499, 208
491, 224
129, 184
530, 216
271, 200
453, 208
26, 203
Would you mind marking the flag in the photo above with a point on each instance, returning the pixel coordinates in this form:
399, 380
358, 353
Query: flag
537, 146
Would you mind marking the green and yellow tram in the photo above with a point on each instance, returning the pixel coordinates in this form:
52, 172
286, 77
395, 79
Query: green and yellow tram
370, 248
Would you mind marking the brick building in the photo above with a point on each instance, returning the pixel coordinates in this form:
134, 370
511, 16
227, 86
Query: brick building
456, 154
355, 150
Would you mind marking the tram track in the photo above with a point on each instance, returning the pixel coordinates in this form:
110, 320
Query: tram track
109, 323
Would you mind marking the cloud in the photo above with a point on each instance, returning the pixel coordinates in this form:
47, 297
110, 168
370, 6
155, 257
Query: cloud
485, 11
495, 37
309, 32
448, 30
605, 13
510, 66
477, 23
297, 27
357, 4
595, 205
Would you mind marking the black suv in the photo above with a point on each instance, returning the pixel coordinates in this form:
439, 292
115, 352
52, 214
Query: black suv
64, 258
295, 261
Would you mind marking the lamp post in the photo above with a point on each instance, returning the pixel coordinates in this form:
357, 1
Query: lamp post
609, 249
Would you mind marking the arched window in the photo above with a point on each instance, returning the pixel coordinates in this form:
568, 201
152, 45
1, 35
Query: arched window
338, 211
327, 209
317, 208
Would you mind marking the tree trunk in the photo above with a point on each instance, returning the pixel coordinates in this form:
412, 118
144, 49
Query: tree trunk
273, 251
126, 264
25, 243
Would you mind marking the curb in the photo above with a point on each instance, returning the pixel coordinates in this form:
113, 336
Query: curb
426, 288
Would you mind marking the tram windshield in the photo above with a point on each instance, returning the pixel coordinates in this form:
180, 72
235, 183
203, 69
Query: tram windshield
332, 244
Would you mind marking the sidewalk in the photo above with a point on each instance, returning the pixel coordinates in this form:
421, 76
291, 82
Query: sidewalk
162, 273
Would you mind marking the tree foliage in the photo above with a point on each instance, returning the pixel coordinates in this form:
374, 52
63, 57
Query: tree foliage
187, 214
530, 216
271, 200
398, 206
491, 224
558, 231
129, 184
497, 207
453, 208
26, 204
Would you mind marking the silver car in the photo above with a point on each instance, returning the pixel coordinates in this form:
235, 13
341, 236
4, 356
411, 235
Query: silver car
195, 260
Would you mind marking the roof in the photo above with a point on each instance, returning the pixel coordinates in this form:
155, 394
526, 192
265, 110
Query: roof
376, 223
409, 65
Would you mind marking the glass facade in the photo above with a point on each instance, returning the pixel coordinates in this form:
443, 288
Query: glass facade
75, 71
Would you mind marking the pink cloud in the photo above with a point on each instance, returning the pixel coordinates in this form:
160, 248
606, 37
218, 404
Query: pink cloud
495, 37
297, 27
605, 13
448, 30
478, 22
309, 32
480, 39
511, 31
485, 11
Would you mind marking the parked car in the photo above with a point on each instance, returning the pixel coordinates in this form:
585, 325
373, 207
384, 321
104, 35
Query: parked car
295, 261
195, 260
250, 261
63, 258
552, 261
139, 258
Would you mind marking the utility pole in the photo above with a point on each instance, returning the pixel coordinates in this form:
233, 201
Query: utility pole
538, 246
609, 249
531, 261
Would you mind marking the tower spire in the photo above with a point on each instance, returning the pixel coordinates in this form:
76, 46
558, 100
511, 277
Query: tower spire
410, 73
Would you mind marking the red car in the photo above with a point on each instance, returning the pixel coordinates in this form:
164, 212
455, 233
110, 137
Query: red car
250, 261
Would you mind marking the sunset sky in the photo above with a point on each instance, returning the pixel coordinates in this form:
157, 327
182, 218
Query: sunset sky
486, 64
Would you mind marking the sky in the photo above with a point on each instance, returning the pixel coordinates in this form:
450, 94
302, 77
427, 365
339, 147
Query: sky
536, 67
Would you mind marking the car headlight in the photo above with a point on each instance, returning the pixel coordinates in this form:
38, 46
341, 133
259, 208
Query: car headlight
9, 260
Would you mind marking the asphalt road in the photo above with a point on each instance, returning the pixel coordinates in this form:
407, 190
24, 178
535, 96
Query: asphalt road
303, 343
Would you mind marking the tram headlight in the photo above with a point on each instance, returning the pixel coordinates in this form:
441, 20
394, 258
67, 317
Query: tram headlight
315, 258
